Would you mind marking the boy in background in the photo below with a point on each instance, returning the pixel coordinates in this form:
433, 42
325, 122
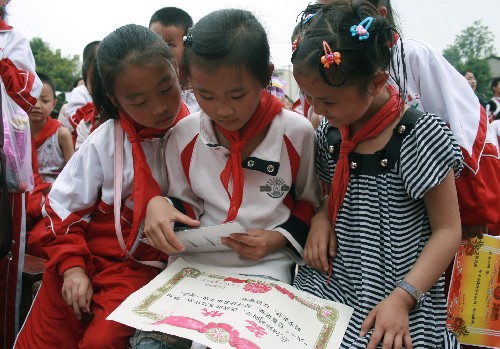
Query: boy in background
172, 24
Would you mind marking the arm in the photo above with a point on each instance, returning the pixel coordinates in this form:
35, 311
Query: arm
390, 316
444, 91
17, 70
66, 143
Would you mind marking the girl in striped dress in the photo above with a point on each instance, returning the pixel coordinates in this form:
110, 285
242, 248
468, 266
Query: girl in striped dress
389, 224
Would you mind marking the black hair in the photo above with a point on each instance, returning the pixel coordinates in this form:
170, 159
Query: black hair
494, 82
130, 44
391, 14
360, 60
465, 71
76, 81
172, 16
89, 53
44, 78
229, 37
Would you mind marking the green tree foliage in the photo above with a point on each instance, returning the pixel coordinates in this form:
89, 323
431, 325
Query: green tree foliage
470, 51
63, 70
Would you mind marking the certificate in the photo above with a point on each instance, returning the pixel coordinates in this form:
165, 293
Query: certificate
233, 311
474, 294
206, 239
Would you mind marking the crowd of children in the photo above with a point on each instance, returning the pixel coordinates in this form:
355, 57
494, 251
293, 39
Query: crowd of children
373, 180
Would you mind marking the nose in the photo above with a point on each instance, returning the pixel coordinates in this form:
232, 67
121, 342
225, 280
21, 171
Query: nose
318, 106
160, 105
224, 108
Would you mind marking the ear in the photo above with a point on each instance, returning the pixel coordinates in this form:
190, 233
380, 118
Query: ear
383, 11
54, 103
378, 83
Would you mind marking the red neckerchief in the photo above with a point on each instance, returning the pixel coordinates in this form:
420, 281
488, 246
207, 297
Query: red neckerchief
47, 130
378, 123
4, 26
145, 186
267, 109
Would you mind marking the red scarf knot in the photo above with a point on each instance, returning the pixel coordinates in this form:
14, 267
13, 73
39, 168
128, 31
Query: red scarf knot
265, 113
145, 186
379, 122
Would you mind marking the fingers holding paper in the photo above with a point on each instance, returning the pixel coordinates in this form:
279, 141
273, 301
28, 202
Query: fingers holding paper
158, 225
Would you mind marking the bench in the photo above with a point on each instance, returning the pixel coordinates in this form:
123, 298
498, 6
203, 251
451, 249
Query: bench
32, 278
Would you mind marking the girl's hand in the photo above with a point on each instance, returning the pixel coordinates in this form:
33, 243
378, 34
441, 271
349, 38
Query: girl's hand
321, 244
158, 225
255, 244
473, 231
77, 290
390, 318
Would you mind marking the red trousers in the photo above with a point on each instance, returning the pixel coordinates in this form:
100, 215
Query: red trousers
51, 323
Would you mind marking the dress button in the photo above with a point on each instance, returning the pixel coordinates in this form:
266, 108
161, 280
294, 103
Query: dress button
353, 165
401, 129
270, 168
250, 163
384, 162
331, 149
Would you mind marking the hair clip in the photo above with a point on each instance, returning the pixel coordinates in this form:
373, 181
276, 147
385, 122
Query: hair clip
295, 45
188, 39
362, 28
329, 57
308, 18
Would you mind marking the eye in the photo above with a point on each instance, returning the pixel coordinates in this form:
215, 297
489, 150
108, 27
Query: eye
167, 89
139, 104
206, 98
238, 97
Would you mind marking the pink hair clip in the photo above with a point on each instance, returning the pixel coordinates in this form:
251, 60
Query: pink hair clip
329, 56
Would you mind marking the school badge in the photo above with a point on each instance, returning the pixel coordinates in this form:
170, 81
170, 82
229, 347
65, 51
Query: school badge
275, 187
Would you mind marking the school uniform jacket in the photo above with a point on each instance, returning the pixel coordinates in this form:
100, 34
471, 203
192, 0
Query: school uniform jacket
17, 71
436, 87
281, 189
80, 204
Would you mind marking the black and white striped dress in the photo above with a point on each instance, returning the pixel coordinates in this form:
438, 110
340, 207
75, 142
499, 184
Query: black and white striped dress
383, 226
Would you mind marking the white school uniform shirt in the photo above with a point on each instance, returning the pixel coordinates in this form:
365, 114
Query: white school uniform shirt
192, 147
436, 87
88, 177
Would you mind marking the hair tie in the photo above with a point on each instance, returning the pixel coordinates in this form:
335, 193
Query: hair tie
188, 39
329, 57
362, 28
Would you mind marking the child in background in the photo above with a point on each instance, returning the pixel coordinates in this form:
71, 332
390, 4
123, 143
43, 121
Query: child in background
95, 258
392, 201
53, 142
54, 148
80, 107
17, 71
493, 107
257, 158
172, 24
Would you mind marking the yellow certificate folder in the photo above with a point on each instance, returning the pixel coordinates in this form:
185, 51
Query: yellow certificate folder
474, 294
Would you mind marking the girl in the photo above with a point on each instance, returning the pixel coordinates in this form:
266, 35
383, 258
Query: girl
95, 258
392, 200
256, 156
435, 86
54, 148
